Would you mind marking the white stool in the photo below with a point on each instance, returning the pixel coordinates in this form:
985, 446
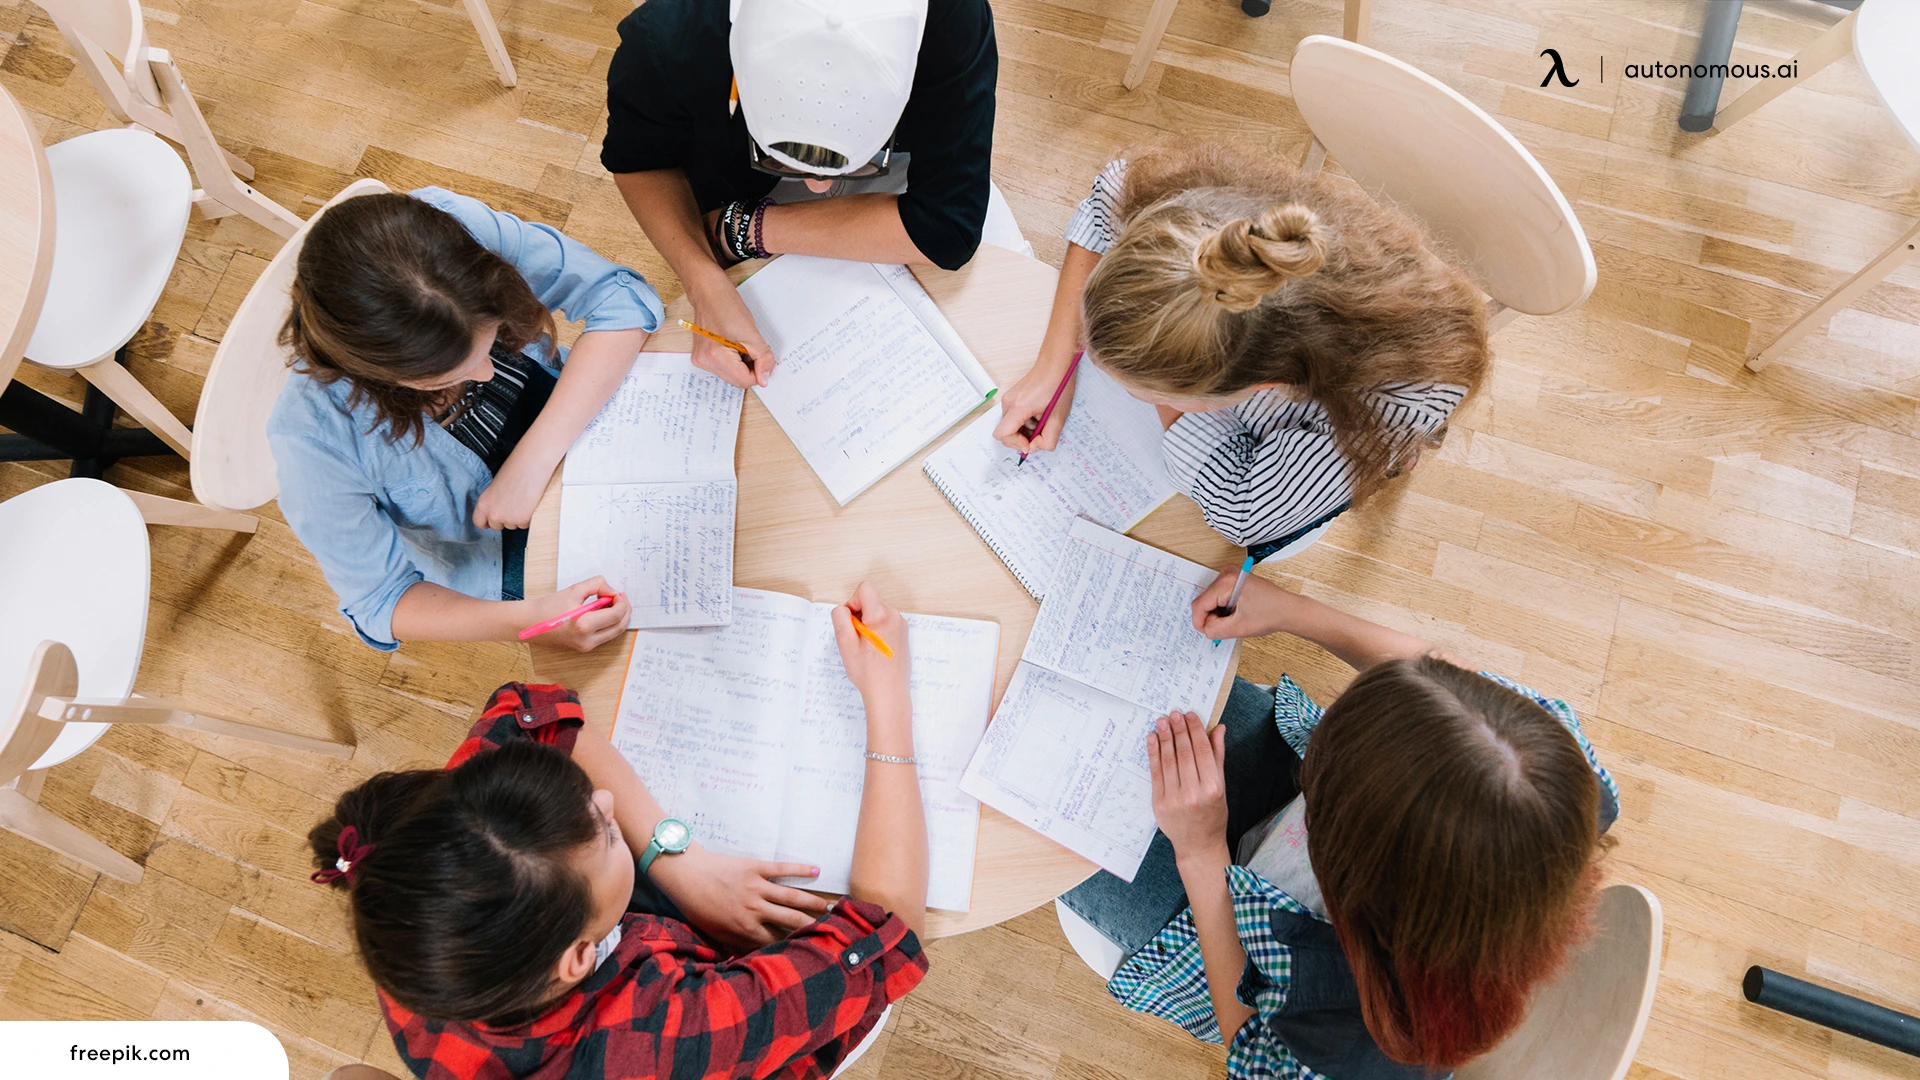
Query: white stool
1094, 947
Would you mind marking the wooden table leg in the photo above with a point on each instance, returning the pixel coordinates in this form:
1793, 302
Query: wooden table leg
1828, 47
1356, 20
1150, 36
1874, 273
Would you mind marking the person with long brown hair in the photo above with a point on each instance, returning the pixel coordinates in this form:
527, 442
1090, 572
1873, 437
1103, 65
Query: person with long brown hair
429, 405
1301, 340
1373, 890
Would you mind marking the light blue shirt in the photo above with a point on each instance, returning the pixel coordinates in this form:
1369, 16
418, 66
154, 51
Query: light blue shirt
380, 515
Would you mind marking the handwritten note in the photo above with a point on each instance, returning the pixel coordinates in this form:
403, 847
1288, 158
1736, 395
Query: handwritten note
647, 496
1113, 649
1108, 467
869, 371
1070, 763
753, 734
669, 547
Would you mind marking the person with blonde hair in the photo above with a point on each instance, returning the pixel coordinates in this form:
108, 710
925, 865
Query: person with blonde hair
1301, 340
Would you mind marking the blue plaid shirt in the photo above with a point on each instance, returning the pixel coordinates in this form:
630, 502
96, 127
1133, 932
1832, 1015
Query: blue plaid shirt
1167, 978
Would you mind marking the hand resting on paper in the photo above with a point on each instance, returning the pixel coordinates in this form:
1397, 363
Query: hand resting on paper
734, 900
1022, 404
1188, 765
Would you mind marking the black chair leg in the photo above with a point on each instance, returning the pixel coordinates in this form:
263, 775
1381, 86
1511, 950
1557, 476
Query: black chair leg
1256, 8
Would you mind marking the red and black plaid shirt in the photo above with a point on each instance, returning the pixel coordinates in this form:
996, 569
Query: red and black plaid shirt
667, 1003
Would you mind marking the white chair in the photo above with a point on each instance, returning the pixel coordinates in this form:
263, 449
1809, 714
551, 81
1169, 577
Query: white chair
75, 569
145, 88
232, 464
1878, 34
1403, 134
1585, 1025
1354, 23
121, 199
74, 583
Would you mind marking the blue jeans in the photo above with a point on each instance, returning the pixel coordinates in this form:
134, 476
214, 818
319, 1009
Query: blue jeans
1263, 774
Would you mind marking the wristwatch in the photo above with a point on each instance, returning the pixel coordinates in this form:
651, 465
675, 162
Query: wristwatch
670, 837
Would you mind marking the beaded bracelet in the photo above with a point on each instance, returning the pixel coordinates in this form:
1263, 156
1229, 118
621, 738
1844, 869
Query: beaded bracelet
759, 229
890, 759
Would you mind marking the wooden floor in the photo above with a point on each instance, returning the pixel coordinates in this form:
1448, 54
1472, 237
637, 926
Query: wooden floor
1720, 570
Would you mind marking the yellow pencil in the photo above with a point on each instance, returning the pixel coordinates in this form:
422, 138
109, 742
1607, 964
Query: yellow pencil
863, 630
711, 336
733, 98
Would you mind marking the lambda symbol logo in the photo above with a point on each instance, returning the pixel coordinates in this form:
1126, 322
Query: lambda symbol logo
1558, 70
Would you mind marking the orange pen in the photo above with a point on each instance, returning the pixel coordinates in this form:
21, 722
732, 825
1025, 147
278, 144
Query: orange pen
867, 632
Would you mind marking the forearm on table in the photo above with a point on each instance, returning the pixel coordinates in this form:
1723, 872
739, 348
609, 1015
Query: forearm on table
599, 360
429, 612
890, 844
1205, 876
634, 807
866, 227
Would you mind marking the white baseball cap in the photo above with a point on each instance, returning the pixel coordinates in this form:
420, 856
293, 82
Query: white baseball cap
832, 74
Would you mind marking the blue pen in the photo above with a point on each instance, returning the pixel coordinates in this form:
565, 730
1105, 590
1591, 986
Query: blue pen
1233, 601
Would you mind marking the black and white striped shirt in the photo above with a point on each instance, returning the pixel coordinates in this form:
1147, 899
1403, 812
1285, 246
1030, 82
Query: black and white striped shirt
1267, 467
492, 416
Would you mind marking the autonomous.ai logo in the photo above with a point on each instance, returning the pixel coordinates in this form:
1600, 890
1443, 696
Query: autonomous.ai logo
1558, 70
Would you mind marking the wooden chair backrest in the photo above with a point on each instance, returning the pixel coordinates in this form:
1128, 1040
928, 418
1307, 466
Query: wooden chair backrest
1407, 136
24, 733
232, 465
114, 27
1587, 1024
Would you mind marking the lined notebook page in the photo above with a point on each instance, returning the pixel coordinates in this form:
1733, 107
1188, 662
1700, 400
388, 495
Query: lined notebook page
647, 496
1114, 649
868, 369
1108, 468
752, 734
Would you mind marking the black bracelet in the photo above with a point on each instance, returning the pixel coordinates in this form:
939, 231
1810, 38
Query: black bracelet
759, 228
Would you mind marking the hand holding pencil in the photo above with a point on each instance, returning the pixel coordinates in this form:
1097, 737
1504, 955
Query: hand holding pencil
1034, 410
873, 644
726, 341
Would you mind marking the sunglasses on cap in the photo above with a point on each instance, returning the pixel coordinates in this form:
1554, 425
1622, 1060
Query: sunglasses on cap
820, 157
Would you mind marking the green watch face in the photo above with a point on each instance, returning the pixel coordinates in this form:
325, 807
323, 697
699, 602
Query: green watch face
672, 835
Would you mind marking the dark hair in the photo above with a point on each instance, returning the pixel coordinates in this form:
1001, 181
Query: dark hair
470, 895
389, 289
1232, 269
1453, 826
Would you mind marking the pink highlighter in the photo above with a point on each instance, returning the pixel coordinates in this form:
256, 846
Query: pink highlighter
554, 623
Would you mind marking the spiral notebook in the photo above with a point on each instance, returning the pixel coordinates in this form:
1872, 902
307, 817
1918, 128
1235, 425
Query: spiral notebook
1108, 468
868, 370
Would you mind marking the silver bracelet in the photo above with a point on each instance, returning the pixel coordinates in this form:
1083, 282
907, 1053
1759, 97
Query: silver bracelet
890, 759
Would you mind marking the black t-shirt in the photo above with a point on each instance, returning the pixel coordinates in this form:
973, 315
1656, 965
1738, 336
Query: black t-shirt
667, 106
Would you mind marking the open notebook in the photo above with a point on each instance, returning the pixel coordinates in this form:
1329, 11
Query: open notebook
752, 735
1113, 650
868, 369
647, 495
1108, 468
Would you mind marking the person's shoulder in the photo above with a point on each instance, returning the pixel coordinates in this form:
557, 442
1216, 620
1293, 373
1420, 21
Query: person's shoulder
308, 407
663, 25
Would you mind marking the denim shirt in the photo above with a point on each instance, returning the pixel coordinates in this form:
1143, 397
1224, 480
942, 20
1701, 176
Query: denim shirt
382, 515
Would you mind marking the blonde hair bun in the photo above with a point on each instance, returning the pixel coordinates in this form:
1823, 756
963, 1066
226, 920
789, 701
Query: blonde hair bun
1250, 257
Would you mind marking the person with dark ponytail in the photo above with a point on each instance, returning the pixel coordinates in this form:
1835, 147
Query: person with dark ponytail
1372, 890
1302, 341
530, 911
429, 405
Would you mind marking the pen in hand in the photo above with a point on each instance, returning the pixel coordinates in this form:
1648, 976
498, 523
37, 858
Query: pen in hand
1233, 601
866, 631
1047, 413
729, 343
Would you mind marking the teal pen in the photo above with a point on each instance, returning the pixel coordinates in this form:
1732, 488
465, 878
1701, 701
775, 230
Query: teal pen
1233, 601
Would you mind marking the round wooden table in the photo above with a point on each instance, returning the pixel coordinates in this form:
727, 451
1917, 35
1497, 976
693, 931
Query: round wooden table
26, 232
903, 536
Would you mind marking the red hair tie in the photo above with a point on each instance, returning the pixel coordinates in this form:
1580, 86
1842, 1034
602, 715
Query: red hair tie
351, 852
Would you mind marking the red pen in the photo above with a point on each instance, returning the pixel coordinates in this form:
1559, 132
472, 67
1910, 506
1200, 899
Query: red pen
594, 604
1047, 413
